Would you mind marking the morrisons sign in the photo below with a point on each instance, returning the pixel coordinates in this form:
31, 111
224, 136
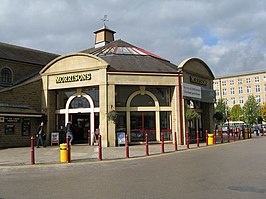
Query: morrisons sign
73, 78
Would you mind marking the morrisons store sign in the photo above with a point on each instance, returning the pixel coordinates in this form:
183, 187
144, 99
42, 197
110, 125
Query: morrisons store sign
73, 78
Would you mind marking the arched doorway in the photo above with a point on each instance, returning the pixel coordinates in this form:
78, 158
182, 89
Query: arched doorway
80, 110
143, 116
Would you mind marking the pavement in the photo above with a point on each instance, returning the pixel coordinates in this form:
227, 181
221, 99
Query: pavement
84, 153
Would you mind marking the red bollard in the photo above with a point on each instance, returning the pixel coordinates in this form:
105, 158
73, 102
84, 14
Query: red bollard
197, 134
187, 140
32, 156
89, 137
228, 135
206, 137
68, 150
147, 144
222, 137
234, 135
214, 136
99, 147
238, 131
262, 134
162, 139
176, 149
127, 147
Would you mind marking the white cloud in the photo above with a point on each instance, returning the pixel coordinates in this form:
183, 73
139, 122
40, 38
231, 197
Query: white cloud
230, 36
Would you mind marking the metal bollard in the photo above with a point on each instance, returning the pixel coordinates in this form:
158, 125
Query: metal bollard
214, 136
127, 147
222, 137
238, 131
228, 135
99, 147
32, 156
197, 134
206, 137
176, 149
187, 140
147, 144
68, 150
162, 139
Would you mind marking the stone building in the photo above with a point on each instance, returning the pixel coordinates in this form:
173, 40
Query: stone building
116, 88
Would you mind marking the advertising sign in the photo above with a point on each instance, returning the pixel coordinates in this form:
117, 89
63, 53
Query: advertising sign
55, 138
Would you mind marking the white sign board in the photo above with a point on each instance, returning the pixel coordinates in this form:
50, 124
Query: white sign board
190, 90
54, 138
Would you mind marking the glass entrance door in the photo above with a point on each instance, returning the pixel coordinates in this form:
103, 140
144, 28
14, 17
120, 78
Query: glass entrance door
81, 125
142, 123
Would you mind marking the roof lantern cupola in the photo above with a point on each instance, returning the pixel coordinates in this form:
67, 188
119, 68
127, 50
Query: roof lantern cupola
104, 35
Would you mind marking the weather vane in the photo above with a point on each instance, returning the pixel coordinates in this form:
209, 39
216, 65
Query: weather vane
104, 19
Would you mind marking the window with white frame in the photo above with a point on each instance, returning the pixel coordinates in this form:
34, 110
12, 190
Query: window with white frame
248, 80
233, 101
241, 100
226, 102
216, 84
264, 78
248, 89
257, 97
240, 90
257, 79
265, 87
223, 83
232, 82
239, 81
217, 92
232, 91
224, 91
257, 88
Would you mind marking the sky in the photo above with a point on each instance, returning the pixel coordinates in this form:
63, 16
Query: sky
228, 35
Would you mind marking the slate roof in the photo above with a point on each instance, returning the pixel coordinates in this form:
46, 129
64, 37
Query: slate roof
16, 108
122, 56
27, 55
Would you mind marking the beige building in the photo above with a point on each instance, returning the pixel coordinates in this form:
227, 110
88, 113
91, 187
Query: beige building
116, 88
235, 89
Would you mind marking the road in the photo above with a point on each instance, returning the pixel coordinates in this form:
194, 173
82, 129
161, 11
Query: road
235, 170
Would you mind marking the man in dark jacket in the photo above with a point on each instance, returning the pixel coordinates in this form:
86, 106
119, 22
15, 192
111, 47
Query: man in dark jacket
40, 135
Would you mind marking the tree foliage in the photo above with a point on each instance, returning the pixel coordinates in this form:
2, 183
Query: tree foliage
221, 107
263, 111
251, 110
236, 113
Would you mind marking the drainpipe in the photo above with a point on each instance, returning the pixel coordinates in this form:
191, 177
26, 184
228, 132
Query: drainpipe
180, 108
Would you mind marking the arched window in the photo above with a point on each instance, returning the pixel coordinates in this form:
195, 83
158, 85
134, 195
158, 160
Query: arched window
6, 75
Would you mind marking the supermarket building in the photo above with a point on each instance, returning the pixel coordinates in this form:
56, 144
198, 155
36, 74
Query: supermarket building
113, 88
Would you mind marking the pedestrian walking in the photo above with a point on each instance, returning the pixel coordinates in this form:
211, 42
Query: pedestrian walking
40, 136
69, 131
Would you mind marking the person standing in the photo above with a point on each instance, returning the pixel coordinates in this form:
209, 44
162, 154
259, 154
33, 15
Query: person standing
40, 135
69, 131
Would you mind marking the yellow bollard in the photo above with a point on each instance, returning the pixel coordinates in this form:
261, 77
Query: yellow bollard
63, 153
210, 139
246, 133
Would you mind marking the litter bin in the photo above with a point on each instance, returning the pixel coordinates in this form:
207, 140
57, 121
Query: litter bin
63, 153
210, 139
245, 133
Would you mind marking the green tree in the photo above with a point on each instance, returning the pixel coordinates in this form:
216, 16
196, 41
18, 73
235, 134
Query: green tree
236, 113
222, 108
263, 111
251, 110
